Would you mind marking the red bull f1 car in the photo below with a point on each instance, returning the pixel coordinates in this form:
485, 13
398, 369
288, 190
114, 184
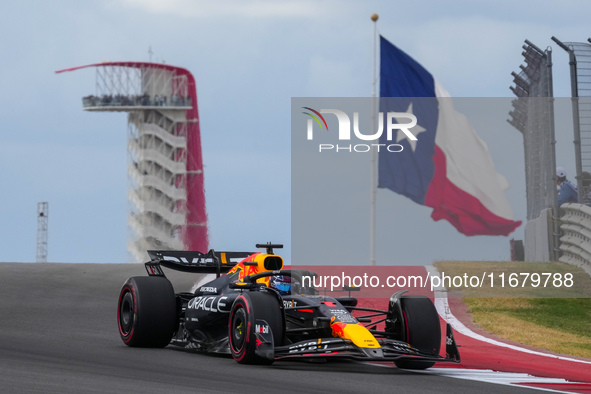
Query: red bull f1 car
259, 312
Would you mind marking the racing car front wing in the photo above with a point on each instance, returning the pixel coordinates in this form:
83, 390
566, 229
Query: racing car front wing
390, 350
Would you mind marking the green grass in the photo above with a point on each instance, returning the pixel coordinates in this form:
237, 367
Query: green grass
559, 325
571, 315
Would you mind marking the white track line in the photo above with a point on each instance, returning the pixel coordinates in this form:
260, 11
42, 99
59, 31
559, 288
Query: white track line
443, 309
496, 377
515, 379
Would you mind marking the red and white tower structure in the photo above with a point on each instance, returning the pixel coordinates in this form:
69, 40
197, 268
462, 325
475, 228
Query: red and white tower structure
164, 146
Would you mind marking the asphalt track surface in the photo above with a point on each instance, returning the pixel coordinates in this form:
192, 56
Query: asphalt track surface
58, 333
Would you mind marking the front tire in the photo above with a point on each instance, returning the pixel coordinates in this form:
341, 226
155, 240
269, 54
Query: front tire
146, 312
247, 309
422, 327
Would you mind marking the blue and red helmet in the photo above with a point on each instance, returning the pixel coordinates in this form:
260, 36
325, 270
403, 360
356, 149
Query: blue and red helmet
282, 283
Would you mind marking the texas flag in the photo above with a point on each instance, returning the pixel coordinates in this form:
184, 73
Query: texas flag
448, 167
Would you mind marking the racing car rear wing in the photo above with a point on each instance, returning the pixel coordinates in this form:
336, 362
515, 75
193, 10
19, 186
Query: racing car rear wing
212, 262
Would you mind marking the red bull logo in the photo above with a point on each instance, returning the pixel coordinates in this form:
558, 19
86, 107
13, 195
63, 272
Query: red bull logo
338, 328
357, 333
245, 270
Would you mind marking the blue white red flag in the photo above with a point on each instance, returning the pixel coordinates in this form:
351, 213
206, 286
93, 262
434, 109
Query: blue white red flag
448, 167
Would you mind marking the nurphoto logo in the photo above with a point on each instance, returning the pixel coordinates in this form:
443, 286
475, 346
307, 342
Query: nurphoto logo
394, 122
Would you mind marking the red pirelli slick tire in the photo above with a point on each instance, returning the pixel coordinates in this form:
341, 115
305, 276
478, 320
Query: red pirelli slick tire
146, 312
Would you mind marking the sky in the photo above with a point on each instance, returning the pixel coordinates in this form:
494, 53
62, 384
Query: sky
249, 59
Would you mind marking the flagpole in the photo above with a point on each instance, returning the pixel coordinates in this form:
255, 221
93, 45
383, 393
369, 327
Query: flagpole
372, 220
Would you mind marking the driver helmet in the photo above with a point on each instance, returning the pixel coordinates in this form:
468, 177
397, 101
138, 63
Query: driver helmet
281, 283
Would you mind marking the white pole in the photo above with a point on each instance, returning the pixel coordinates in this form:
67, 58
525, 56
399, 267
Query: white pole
372, 220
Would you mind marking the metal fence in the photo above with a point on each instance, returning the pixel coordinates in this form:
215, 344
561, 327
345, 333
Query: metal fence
533, 116
582, 53
580, 74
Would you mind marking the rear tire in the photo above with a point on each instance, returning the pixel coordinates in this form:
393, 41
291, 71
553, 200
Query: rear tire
146, 312
247, 309
423, 330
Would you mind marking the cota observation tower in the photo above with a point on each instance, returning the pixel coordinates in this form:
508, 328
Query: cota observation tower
165, 164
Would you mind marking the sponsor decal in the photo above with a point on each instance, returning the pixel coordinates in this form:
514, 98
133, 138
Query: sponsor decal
338, 311
290, 304
184, 260
209, 289
393, 301
341, 315
308, 347
209, 304
402, 348
262, 328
